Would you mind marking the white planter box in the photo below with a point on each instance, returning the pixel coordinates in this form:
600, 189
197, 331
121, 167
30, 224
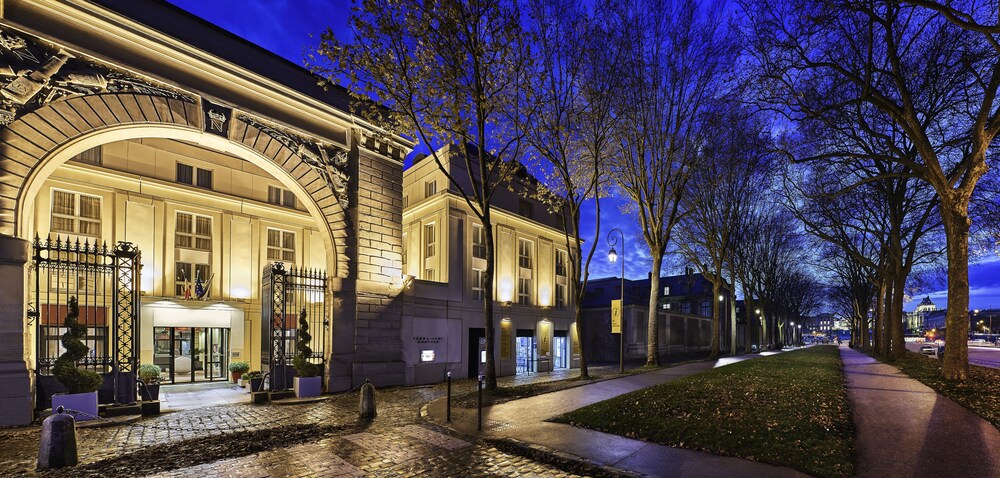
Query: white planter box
307, 386
82, 402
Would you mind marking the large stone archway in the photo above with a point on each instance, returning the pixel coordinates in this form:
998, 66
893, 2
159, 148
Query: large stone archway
37, 143
57, 100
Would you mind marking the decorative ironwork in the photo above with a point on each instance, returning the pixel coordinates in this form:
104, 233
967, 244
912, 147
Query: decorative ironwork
105, 282
127, 263
285, 294
34, 72
331, 165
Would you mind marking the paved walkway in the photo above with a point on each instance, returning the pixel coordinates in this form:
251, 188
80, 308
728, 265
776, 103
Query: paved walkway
524, 420
904, 428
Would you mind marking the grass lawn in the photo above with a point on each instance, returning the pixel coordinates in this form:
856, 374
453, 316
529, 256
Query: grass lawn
788, 409
980, 393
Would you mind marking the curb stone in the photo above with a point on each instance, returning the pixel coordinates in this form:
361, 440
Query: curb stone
559, 459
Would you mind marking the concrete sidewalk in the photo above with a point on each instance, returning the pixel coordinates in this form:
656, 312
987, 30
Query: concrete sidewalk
524, 420
903, 428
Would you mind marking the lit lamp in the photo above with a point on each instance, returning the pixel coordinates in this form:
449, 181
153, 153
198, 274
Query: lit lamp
793, 333
613, 257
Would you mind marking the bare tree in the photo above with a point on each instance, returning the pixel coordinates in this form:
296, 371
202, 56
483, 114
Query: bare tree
448, 73
676, 57
737, 165
931, 68
570, 128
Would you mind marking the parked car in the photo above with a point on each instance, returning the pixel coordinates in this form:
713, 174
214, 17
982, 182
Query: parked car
932, 348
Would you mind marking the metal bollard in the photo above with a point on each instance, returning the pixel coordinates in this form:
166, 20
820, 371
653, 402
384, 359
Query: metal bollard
479, 422
449, 398
368, 409
58, 443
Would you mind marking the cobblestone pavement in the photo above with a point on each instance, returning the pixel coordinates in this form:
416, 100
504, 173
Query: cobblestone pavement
396, 443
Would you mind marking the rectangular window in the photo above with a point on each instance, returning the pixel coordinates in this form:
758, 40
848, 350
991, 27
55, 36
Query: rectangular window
91, 156
524, 290
561, 259
478, 278
525, 208
280, 245
193, 232
706, 308
561, 296
478, 241
429, 274
666, 290
204, 178
430, 188
280, 197
524, 254
406, 202
76, 213
686, 307
430, 241
185, 174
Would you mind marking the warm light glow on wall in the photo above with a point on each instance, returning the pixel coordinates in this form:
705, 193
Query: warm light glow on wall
506, 290
545, 296
239, 293
146, 278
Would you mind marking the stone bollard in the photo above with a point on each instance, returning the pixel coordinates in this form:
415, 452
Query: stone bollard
58, 444
368, 409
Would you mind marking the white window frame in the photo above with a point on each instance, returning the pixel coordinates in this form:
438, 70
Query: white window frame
478, 233
193, 235
76, 218
478, 279
282, 250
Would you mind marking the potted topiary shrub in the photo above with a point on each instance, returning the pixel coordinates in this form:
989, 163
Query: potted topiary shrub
81, 385
149, 374
307, 382
256, 379
238, 369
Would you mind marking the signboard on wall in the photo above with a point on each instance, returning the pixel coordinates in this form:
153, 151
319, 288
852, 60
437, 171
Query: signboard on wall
505, 340
544, 338
616, 316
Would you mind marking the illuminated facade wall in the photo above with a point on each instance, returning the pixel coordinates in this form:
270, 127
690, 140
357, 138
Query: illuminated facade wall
444, 253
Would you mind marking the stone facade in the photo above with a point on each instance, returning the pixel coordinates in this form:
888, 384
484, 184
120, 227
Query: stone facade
75, 75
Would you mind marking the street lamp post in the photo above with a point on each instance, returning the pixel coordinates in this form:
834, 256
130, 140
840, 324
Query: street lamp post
793, 333
613, 256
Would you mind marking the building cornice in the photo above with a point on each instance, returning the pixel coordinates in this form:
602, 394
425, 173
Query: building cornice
103, 23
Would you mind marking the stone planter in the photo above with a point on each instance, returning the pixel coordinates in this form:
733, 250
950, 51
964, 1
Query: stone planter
150, 392
307, 386
81, 402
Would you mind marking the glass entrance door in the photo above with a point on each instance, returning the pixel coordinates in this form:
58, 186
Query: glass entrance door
191, 354
559, 349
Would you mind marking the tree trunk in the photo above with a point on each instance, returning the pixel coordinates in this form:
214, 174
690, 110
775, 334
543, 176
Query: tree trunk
716, 322
490, 373
880, 335
652, 335
732, 313
955, 365
896, 317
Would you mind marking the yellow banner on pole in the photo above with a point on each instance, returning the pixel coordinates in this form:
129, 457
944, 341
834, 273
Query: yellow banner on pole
616, 316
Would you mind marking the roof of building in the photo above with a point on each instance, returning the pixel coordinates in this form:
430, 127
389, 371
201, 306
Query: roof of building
926, 301
601, 291
195, 31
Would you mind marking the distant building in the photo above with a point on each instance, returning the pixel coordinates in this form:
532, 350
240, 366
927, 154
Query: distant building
685, 305
916, 320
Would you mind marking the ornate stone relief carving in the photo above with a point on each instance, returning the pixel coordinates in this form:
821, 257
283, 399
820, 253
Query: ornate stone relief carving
34, 73
329, 162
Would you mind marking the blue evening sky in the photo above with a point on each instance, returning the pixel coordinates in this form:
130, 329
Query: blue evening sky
290, 28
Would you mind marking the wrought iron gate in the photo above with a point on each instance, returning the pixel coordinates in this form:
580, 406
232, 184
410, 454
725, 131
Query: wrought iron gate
284, 295
106, 284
